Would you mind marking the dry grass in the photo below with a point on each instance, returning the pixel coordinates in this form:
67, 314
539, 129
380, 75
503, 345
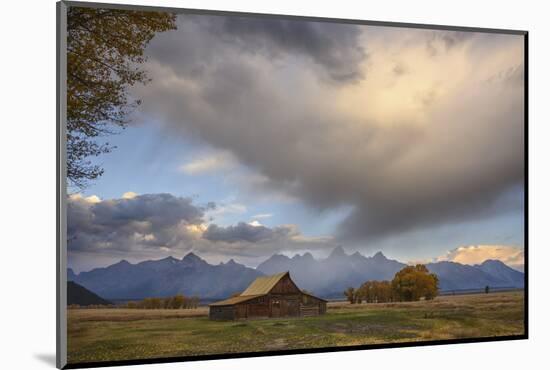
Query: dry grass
441, 302
131, 314
122, 334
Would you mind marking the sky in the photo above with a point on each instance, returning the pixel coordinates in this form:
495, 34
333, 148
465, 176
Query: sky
258, 136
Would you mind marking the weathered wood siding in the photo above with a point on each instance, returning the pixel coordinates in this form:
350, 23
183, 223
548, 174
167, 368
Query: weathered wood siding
284, 299
312, 306
284, 304
258, 307
285, 286
222, 313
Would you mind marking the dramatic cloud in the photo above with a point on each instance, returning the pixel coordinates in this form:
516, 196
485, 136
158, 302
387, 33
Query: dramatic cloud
443, 41
427, 130
140, 227
136, 223
247, 232
333, 50
335, 47
252, 242
476, 254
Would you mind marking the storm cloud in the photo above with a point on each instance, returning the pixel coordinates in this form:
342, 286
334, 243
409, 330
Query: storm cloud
247, 233
440, 143
333, 50
333, 46
149, 221
139, 227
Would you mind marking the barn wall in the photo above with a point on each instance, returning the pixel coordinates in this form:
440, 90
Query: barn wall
285, 286
312, 306
258, 307
222, 312
258, 310
284, 305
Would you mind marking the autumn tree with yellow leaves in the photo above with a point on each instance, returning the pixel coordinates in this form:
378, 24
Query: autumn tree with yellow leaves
415, 282
409, 284
105, 48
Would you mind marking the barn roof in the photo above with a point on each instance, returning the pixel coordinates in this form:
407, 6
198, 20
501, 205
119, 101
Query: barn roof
263, 284
259, 287
235, 300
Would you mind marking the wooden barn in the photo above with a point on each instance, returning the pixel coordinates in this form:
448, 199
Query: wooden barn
269, 296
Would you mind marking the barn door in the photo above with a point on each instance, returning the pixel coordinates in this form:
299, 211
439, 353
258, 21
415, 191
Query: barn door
293, 307
275, 308
284, 307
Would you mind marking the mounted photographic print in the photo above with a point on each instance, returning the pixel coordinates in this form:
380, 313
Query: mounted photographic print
236, 185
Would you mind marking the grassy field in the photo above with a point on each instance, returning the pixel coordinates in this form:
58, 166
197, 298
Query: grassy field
122, 334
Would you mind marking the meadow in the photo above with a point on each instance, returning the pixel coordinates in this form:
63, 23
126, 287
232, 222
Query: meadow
123, 334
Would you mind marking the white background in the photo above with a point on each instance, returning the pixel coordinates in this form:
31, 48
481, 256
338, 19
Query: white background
27, 187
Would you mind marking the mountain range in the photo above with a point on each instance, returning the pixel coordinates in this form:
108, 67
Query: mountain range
326, 277
169, 276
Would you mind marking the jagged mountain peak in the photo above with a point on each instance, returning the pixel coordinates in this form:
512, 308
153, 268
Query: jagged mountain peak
122, 263
327, 277
168, 276
190, 256
303, 257
193, 259
379, 256
338, 252
231, 262
278, 257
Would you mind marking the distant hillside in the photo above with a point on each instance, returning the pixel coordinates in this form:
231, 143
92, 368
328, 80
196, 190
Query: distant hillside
499, 270
455, 276
327, 277
77, 294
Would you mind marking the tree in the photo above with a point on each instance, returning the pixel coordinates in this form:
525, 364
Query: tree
373, 291
358, 296
350, 294
414, 282
177, 301
104, 50
195, 300
487, 289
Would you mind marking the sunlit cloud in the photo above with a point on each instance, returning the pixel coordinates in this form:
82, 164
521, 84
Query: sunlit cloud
406, 132
208, 164
129, 195
476, 254
89, 199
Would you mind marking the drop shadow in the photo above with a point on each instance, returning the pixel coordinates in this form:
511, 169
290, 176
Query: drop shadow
46, 358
